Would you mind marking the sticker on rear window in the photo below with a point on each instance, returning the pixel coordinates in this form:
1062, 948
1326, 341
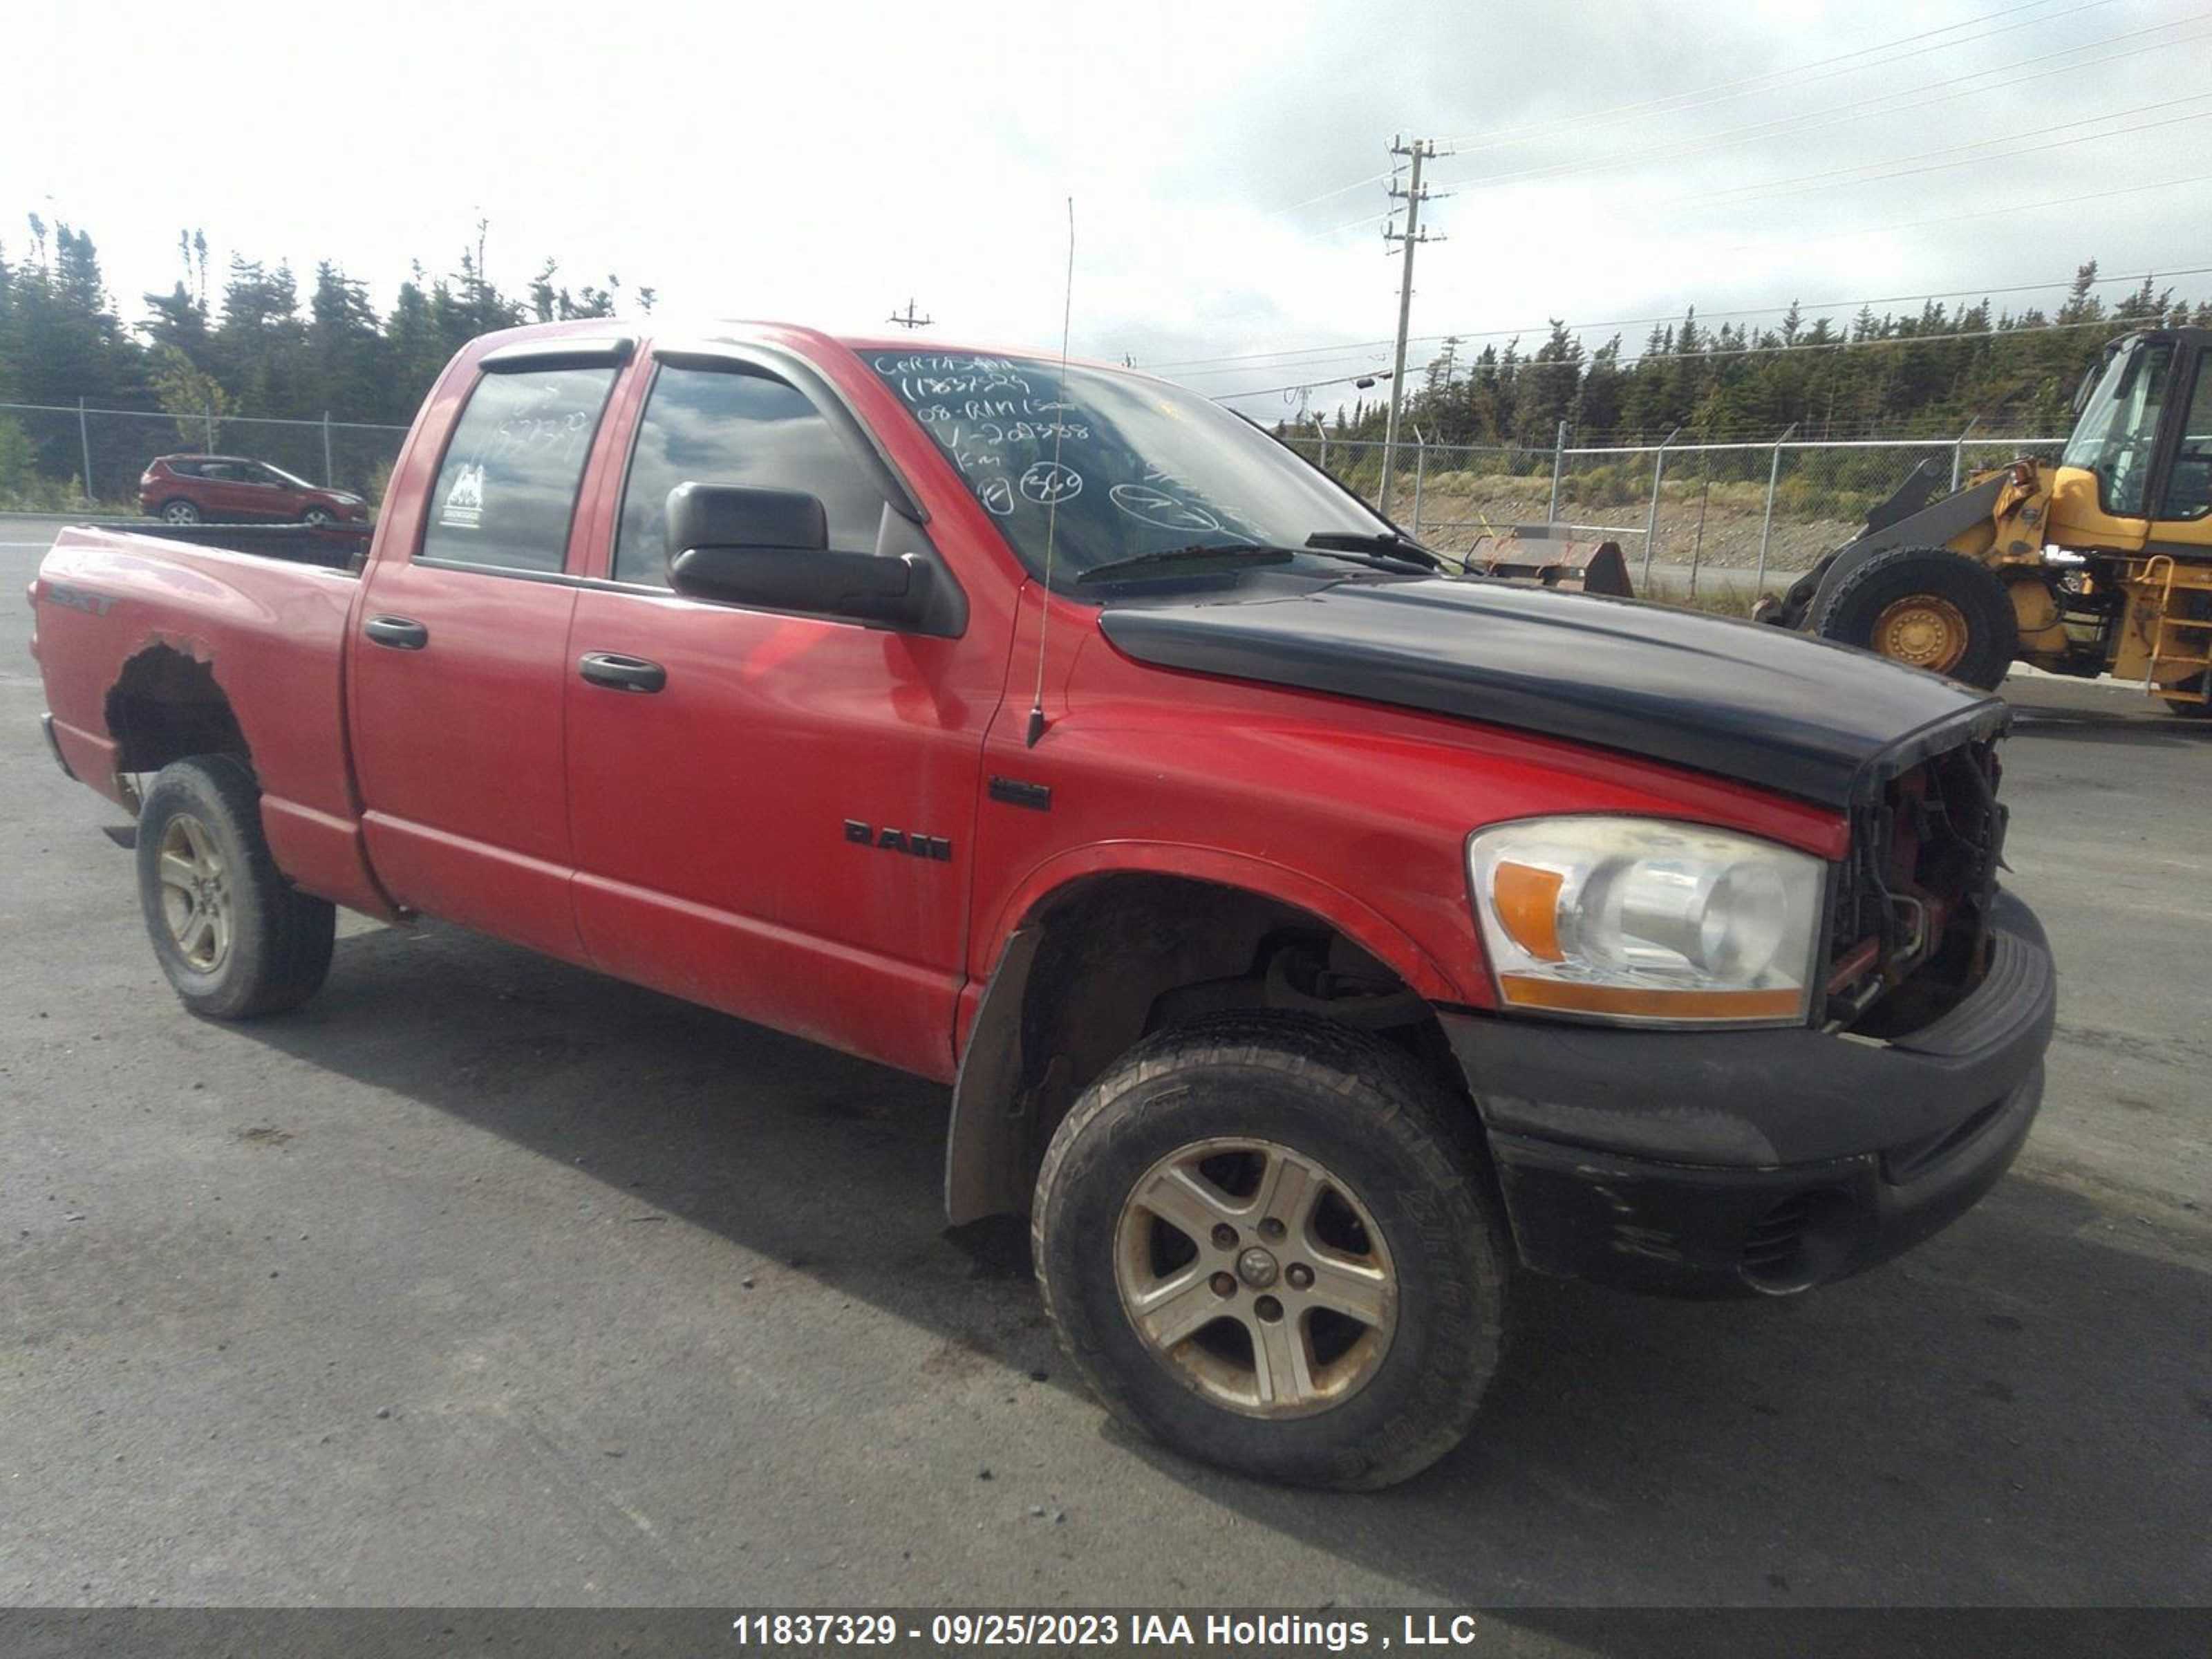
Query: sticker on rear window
464, 507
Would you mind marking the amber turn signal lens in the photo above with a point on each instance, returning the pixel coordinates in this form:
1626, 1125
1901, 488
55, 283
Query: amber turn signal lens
1577, 997
1527, 905
1645, 922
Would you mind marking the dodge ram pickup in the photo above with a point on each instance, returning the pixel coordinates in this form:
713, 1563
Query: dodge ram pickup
1313, 936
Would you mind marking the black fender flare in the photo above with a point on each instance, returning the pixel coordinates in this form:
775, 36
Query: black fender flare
980, 1178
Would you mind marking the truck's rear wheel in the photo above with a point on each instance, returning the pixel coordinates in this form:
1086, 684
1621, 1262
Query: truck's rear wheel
1266, 1241
234, 938
1925, 606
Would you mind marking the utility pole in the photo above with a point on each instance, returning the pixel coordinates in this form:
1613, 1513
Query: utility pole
910, 320
1418, 151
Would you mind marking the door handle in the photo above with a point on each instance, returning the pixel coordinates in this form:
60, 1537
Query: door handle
401, 633
610, 668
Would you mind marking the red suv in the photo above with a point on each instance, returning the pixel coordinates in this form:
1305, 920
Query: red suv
220, 489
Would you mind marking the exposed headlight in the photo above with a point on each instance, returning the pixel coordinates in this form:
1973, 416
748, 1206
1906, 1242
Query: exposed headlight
1648, 922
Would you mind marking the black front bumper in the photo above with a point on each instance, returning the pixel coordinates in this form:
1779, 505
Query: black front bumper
1733, 1162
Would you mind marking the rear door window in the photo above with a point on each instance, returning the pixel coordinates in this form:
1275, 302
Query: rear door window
508, 490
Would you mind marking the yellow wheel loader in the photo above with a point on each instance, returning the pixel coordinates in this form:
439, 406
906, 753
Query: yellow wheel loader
2101, 563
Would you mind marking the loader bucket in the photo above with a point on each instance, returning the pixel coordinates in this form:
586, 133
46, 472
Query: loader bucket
1539, 553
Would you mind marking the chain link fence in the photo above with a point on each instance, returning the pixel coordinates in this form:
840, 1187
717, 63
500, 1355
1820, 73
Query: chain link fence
1740, 516
64, 458
1737, 515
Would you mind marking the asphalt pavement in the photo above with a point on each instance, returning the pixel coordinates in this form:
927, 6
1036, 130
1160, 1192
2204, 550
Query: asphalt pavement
484, 1279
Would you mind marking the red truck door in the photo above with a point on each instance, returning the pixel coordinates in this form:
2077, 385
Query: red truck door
460, 661
772, 813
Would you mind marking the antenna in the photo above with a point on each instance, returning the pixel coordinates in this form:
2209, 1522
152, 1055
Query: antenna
1052, 502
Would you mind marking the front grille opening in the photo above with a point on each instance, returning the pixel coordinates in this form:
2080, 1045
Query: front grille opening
1911, 906
1801, 1241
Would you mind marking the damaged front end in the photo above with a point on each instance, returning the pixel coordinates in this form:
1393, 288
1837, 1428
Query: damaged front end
1909, 911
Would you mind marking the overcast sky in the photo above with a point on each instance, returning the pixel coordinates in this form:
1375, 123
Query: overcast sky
821, 162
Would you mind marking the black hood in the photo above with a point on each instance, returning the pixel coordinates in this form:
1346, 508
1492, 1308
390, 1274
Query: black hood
1744, 701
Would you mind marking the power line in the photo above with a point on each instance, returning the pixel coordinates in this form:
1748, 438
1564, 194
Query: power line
1698, 98
1478, 140
2011, 210
1859, 109
1769, 190
1349, 224
1745, 195
1960, 291
1331, 194
1529, 364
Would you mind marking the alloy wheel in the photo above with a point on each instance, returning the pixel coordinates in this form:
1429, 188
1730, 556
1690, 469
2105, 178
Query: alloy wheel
196, 896
1257, 1275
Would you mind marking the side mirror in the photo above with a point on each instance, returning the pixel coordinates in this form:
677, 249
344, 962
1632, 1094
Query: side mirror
727, 515
769, 549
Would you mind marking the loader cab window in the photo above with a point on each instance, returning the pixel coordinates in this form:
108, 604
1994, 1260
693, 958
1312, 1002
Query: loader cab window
2118, 432
2188, 486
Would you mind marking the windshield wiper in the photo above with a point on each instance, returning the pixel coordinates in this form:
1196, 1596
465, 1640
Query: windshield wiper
1234, 556
1383, 543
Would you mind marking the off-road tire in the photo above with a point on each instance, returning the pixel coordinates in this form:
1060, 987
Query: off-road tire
1409, 1149
2192, 711
279, 937
1847, 607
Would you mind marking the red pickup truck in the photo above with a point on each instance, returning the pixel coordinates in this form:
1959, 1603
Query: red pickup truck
1313, 936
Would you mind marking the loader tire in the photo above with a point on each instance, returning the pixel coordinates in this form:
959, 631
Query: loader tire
1271, 1242
1927, 607
2189, 710
235, 939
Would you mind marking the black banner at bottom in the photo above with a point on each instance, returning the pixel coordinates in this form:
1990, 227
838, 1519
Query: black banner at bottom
1219, 1633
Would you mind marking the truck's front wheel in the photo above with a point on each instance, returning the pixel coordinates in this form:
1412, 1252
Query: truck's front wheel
1266, 1242
235, 939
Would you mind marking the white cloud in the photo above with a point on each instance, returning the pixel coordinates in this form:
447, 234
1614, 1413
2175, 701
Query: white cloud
822, 162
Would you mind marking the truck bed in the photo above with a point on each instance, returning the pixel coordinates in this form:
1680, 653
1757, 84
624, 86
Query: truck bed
334, 547
125, 620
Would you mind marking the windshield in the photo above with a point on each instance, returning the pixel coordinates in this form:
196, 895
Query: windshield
2118, 426
1142, 466
295, 481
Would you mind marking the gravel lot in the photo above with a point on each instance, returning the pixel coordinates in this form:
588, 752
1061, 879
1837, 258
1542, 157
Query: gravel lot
489, 1280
